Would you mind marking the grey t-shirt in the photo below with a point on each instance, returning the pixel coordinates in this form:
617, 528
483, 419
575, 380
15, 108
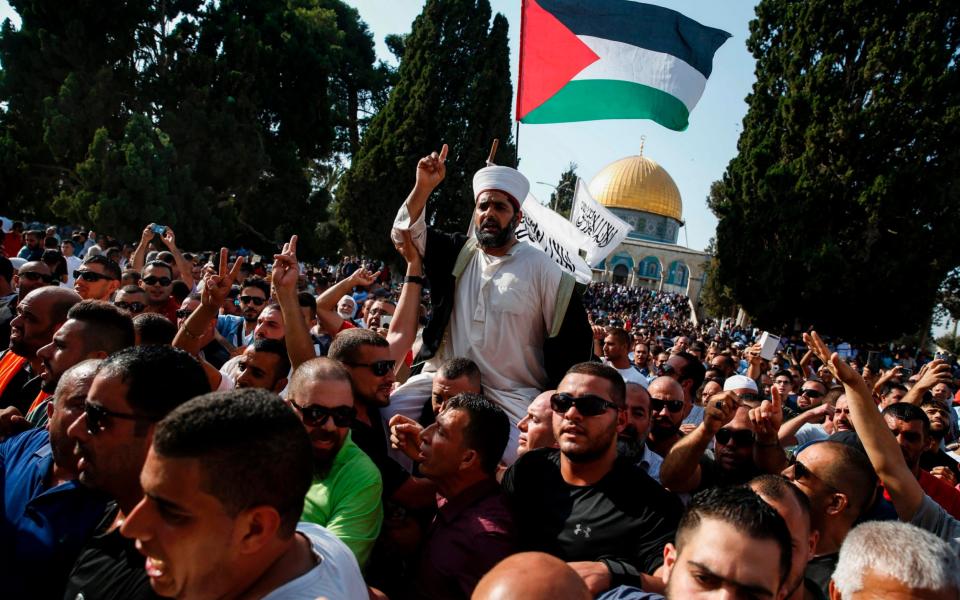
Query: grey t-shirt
932, 517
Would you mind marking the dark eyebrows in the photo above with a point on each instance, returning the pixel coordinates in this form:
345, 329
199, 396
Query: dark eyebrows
165, 504
753, 589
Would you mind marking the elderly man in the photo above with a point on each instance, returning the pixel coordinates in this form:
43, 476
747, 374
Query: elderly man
536, 429
506, 305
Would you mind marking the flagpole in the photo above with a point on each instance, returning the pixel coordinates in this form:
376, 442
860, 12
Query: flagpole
516, 136
516, 142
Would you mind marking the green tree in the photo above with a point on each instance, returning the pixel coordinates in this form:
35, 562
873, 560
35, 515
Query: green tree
453, 86
842, 207
561, 199
717, 299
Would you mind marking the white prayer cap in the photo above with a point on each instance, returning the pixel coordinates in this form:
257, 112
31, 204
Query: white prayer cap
502, 179
740, 382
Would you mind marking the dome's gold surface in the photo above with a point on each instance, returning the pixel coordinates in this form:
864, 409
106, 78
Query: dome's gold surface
637, 183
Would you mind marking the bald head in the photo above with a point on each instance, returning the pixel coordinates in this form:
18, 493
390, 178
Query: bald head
531, 576
59, 300
666, 387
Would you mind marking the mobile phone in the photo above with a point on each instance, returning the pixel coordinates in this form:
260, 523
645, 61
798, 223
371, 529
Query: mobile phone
385, 320
158, 229
768, 345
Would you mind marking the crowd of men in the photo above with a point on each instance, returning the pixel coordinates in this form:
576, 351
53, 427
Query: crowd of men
197, 425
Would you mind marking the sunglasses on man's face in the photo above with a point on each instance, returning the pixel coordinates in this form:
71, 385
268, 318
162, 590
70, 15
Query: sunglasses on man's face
797, 471
154, 280
657, 404
811, 393
316, 416
739, 437
587, 405
379, 368
255, 300
97, 417
90, 276
134, 307
32, 276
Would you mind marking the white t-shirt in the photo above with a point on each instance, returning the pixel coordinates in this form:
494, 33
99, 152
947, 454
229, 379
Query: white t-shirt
630, 374
811, 432
73, 263
336, 576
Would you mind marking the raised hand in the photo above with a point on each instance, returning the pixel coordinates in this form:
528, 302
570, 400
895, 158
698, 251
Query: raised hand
362, 277
768, 417
934, 372
841, 371
147, 234
407, 249
719, 410
432, 169
169, 238
286, 270
216, 288
405, 436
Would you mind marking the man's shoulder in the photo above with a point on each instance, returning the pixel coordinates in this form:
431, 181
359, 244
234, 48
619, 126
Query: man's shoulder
354, 463
23, 445
337, 574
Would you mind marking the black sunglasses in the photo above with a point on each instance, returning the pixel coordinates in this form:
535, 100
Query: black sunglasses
96, 417
666, 369
183, 314
588, 405
90, 276
256, 301
134, 307
153, 280
801, 471
739, 437
657, 404
32, 276
316, 416
379, 368
811, 393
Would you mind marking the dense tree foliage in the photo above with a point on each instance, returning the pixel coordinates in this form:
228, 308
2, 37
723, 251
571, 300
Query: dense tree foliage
842, 206
561, 199
453, 86
219, 119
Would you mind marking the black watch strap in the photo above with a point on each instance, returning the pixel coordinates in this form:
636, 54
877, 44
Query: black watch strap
414, 279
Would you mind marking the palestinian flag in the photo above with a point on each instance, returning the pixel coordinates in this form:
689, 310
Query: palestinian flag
582, 60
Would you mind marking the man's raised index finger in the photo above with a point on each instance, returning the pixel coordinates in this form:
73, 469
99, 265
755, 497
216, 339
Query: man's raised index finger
223, 262
443, 153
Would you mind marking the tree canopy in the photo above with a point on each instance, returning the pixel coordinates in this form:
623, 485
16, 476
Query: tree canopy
842, 206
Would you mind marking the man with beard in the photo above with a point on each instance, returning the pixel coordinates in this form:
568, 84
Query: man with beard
47, 515
133, 390
811, 394
239, 330
911, 428
346, 489
157, 281
31, 276
935, 458
93, 329
97, 278
582, 503
841, 415
39, 315
667, 406
632, 440
505, 305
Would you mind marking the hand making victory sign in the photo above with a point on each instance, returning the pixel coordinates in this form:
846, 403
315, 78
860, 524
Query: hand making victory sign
216, 288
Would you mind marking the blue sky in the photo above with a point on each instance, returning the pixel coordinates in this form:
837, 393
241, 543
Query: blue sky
695, 157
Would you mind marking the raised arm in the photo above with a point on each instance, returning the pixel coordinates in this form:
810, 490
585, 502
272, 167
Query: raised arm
327, 301
788, 431
185, 268
140, 252
932, 373
882, 449
768, 454
681, 471
403, 326
430, 172
283, 277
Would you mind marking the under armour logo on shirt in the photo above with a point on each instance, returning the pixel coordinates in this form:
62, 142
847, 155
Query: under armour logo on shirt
581, 530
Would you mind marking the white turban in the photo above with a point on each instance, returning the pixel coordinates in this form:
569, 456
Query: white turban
502, 179
740, 382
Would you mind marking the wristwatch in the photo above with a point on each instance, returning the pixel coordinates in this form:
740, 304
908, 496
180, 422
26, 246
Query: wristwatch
414, 279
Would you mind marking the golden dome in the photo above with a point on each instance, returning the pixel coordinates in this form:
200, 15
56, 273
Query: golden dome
637, 183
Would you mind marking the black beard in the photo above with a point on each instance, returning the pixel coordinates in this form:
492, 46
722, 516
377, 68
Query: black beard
938, 434
629, 447
498, 239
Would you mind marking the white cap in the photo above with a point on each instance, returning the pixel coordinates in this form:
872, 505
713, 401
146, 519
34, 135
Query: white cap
502, 179
740, 382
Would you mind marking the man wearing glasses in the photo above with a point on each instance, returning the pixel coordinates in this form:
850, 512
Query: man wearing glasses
112, 437
238, 330
131, 298
157, 281
582, 503
346, 489
97, 278
667, 409
31, 276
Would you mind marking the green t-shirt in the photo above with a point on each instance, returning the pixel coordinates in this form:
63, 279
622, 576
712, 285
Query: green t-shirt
347, 501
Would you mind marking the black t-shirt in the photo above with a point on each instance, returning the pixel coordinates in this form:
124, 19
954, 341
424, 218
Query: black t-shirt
939, 458
711, 475
624, 520
109, 568
372, 439
820, 569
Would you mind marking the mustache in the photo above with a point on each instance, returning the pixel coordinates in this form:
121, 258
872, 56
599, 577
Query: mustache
323, 436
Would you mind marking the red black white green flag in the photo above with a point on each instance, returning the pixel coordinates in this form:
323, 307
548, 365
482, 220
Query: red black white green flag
583, 60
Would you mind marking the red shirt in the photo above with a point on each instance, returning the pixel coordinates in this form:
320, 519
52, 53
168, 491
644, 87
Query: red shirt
940, 491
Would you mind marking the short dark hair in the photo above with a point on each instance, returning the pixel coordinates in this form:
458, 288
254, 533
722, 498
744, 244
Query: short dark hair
784, 373
317, 369
746, 511
458, 367
618, 389
167, 257
779, 487
133, 289
252, 450
154, 329
278, 348
306, 300
6, 269
693, 369
143, 368
906, 412
619, 334
488, 430
893, 385
257, 282
346, 346
158, 263
112, 268
111, 328
131, 273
